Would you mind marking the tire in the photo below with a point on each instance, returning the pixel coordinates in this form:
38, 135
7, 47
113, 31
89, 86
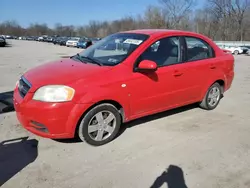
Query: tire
3, 44
90, 117
206, 102
236, 52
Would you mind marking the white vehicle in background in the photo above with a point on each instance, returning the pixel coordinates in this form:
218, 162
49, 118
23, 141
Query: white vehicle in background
234, 49
72, 42
41, 38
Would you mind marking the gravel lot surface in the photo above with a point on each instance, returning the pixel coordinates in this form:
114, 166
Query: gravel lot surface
187, 146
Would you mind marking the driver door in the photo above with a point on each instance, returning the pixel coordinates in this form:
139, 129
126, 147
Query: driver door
158, 90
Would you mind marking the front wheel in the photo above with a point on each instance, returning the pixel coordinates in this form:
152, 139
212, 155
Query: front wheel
100, 125
236, 52
212, 97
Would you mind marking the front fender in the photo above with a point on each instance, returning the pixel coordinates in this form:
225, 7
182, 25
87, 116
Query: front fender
116, 93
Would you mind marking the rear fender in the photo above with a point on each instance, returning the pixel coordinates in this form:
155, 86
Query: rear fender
210, 82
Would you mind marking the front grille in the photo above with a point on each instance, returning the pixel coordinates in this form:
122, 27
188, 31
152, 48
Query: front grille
23, 86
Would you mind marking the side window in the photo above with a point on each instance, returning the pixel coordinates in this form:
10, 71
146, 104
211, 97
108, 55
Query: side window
164, 52
198, 49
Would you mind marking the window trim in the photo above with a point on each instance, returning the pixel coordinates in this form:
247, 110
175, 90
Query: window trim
199, 39
181, 49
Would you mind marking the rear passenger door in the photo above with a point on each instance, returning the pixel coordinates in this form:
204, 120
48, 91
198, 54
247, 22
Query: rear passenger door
199, 60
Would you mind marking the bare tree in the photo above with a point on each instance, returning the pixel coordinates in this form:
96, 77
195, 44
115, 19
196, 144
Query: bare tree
218, 19
239, 8
230, 15
154, 17
176, 10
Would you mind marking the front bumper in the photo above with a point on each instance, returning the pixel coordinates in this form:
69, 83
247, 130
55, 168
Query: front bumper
50, 120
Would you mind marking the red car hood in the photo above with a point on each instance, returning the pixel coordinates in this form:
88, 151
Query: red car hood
61, 72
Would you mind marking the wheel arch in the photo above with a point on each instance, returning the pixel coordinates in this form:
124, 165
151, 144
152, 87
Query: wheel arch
220, 81
112, 102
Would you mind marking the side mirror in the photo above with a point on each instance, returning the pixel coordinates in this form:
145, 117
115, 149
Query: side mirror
147, 65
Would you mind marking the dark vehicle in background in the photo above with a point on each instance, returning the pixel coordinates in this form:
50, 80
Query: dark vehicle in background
248, 50
61, 41
245, 49
2, 41
56, 40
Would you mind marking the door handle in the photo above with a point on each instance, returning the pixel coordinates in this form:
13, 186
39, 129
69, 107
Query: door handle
177, 73
212, 66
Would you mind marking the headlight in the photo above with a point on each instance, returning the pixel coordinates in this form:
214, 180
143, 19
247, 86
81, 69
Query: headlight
54, 93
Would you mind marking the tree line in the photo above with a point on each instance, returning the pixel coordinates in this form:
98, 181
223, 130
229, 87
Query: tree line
224, 20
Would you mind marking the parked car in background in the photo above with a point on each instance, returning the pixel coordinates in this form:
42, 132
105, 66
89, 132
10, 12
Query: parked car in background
61, 41
81, 43
2, 41
48, 39
84, 43
248, 52
56, 40
42, 38
234, 49
8, 37
93, 92
72, 42
245, 49
33, 38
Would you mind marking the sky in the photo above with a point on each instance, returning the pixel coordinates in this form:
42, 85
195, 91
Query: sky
70, 12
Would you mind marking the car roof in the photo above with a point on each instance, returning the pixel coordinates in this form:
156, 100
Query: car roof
159, 31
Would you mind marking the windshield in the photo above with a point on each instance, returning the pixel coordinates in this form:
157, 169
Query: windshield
115, 48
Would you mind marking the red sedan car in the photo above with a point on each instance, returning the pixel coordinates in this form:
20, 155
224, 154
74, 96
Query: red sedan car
124, 76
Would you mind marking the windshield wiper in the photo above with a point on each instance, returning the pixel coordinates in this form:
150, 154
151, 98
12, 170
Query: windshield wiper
78, 57
91, 60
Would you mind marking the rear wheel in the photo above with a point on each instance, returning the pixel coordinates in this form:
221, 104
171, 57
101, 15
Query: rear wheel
212, 97
100, 125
